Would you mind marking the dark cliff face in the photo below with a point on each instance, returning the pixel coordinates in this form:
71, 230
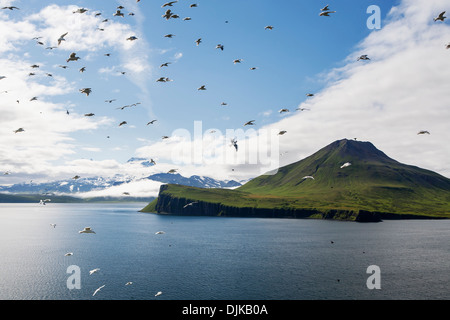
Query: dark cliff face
167, 204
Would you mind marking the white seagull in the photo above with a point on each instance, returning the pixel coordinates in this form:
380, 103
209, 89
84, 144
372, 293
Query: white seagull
189, 204
440, 17
94, 271
86, 230
346, 165
308, 177
97, 290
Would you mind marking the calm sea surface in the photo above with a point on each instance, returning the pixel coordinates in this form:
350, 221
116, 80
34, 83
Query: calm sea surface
204, 258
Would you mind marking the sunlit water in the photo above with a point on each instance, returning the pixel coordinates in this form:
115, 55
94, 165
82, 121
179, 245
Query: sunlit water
204, 258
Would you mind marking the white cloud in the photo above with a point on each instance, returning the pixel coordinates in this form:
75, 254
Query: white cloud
386, 101
139, 188
48, 129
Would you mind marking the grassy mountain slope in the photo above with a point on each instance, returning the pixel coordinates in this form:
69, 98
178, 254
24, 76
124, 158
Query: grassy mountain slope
373, 182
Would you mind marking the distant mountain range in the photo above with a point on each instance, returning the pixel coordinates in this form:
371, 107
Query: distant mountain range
348, 180
74, 186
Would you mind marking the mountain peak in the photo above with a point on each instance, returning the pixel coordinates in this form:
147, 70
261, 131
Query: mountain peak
358, 150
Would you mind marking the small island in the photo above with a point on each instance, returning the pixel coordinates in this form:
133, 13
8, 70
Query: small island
346, 180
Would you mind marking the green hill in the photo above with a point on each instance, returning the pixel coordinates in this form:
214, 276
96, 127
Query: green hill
372, 182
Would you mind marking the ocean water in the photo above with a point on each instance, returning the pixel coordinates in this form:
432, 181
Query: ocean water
214, 258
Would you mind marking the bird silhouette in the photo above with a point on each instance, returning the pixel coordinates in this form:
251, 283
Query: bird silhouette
86, 91
326, 13
61, 38
440, 17
73, 57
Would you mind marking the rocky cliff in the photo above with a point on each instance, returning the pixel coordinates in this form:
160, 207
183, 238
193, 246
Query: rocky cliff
169, 204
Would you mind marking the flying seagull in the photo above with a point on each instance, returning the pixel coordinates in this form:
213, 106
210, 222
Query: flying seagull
80, 10
163, 79
89, 114
202, 87
11, 8
326, 13
253, 68
237, 61
61, 38
68, 254
168, 4
363, 57
172, 171
326, 8
234, 144
94, 271
268, 27
423, 132
132, 38
166, 64
109, 101
219, 46
168, 14
151, 122
118, 13
86, 230
189, 204
194, 5
249, 123
73, 57
284, 110
165, 137
86, 91
198, 41
187, 19
282, 132
122, 123
170, 35
76, 177
159, 232
308, 177
53, 225
97, 290
44, 201
440, 17
19, 130
346, 165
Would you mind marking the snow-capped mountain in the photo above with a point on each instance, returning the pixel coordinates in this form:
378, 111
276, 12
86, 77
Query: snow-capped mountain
81, 185
193, 181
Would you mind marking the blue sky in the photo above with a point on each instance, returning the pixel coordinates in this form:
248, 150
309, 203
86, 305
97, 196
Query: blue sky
304, 53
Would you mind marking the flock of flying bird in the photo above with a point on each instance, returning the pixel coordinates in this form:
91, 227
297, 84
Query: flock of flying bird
95, 270
170, 15
325, 11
